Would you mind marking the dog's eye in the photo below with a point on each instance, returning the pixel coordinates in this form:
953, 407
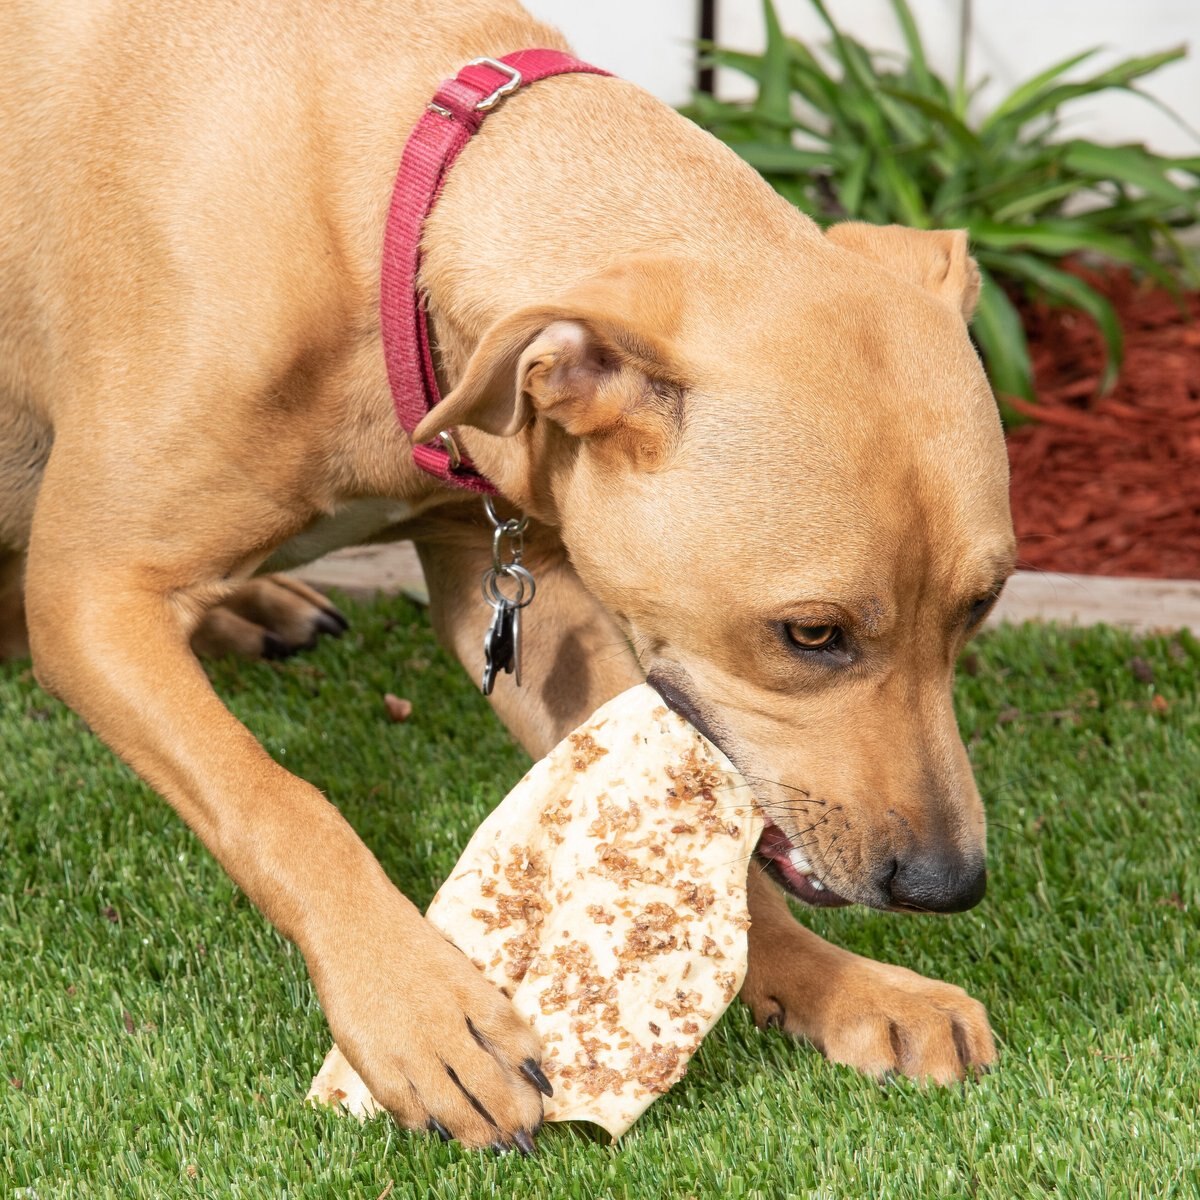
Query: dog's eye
813, 637
980, 609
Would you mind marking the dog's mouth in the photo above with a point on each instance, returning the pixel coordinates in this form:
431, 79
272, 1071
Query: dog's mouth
792, 871
785, 862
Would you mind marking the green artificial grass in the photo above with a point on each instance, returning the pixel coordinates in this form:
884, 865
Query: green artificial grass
157, 1037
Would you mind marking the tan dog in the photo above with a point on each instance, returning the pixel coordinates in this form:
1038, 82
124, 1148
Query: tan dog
765, 459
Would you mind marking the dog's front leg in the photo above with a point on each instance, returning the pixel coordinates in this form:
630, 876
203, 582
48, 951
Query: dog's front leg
111, 606
869, 1015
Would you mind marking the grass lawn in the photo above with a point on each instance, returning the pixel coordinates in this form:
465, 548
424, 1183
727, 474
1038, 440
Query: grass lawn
156, 1036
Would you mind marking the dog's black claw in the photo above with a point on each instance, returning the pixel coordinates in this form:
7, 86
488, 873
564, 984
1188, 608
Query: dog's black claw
534, 1074
435, 1126
500, 1147
524, 1142
332, 622
778, 1015
275, 648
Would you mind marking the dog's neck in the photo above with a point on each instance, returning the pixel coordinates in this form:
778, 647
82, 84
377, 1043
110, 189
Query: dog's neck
496, 243
567, 179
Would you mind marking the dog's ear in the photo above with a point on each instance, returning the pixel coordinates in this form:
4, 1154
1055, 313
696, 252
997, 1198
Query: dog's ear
598, 361
935, 259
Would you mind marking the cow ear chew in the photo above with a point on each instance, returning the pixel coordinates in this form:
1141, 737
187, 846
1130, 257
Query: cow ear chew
613, 913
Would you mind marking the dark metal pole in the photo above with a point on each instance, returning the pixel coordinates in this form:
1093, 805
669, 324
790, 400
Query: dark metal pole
706, 76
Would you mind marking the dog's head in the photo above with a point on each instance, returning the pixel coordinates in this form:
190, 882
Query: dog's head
789, 484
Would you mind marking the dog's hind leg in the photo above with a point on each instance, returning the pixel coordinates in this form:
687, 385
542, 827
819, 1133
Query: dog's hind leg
271, 617
875, 1017
25, 442
14, 636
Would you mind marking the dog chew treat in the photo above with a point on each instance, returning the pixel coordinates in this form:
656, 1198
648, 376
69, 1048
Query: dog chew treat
606, 896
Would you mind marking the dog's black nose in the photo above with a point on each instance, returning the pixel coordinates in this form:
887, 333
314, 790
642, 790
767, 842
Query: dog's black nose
942, 882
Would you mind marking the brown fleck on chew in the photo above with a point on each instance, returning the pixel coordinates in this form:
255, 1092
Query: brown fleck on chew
607, 893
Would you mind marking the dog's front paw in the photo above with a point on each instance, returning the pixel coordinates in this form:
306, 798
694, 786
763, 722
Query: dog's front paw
439, 1047
877, 1018
892, 1019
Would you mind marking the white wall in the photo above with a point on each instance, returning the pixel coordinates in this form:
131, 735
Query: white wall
1014, 39
650, 42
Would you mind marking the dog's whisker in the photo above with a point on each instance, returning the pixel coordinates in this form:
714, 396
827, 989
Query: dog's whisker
791, 787
827, 868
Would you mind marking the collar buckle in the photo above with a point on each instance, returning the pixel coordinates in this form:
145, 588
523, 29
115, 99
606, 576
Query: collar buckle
505, 89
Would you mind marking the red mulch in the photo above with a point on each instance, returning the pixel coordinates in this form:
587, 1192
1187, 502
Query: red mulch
1111, 485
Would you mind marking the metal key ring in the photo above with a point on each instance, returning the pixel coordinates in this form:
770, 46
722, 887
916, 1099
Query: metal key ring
526, 586
513, 531
494, 595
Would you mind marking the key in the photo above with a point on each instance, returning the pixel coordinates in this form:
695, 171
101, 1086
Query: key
516, 645
498, 647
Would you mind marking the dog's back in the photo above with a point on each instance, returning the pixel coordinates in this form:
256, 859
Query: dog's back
156, 157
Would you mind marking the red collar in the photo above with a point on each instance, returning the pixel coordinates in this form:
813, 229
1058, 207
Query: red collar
456, 112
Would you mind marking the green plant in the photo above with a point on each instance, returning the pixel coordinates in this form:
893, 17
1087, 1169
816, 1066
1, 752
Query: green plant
859, 134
